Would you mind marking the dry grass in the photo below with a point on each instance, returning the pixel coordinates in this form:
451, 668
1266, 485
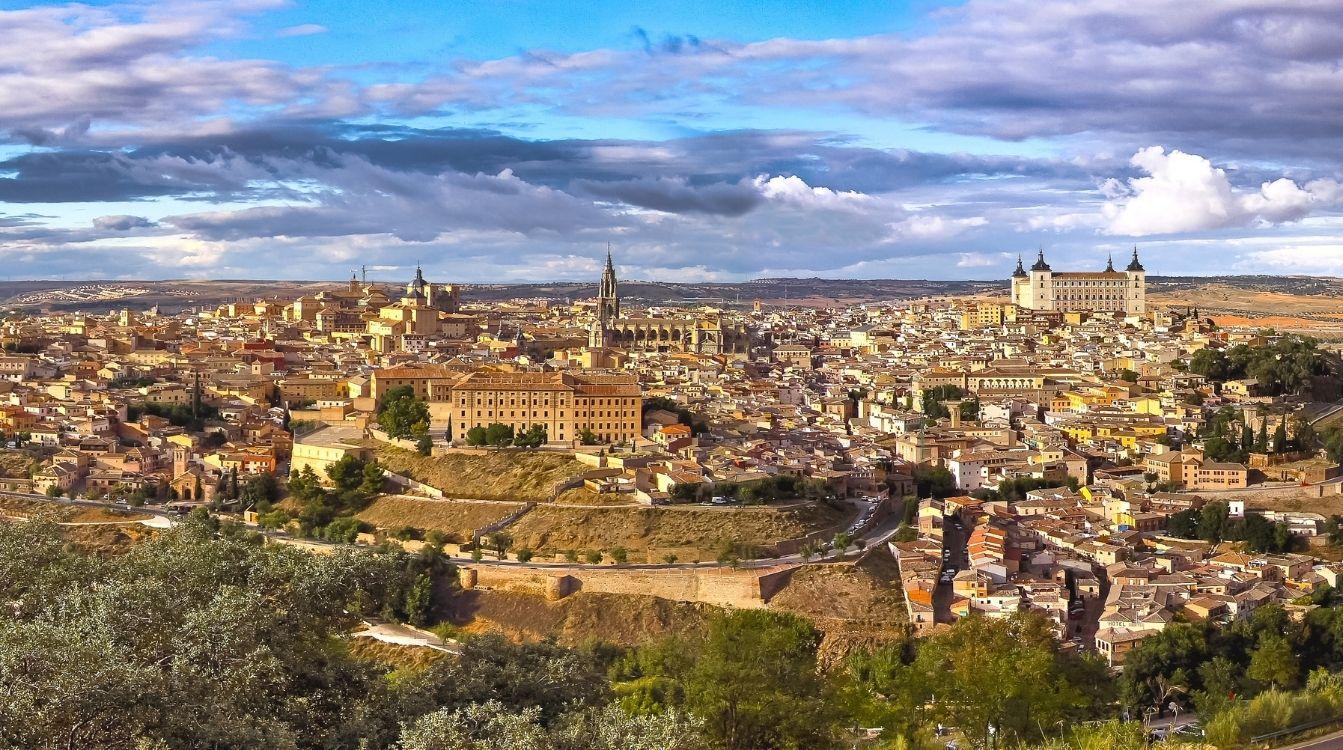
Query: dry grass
577, 619
395, 656
585, 496
107, 541
515, 476
14, 463
649, 533
1326, 506
868, 592
24, 508
457, 518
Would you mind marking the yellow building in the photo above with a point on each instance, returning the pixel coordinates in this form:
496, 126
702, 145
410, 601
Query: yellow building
327, 445
610, 406
981, 315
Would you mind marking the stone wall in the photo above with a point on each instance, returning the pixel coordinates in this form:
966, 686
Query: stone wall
724, 587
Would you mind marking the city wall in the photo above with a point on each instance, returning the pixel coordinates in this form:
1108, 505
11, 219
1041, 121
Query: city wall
724, 587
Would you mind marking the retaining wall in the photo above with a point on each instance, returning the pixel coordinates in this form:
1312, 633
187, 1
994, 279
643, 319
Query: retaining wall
724, 587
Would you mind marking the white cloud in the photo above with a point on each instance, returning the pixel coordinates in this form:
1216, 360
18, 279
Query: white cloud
980, 260
933, 227
1324, 260
793, 191
1186, 193
303, 29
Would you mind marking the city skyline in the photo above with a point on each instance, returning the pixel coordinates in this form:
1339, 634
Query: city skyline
707, 142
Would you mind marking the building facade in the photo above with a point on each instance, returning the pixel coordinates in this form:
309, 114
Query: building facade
703, 334
609, 406
1074, 291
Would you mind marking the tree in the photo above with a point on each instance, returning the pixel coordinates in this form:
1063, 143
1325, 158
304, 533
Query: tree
755, 683
594, 557
140, 649
842, 541
934, 481
532, 437
401, 414
1005, 678
588, 437
476, 436
424, 445
499, 542
499, 435
619, 555
418, 600
524, 554
1183, 524
1274, 663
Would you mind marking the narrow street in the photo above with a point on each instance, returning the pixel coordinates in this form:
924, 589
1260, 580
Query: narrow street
954, 539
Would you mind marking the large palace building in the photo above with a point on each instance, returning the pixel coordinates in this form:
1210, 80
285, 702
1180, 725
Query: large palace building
1104, 291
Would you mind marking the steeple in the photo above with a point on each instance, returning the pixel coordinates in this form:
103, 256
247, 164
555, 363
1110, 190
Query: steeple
1134, 265
608, 299
1110, 263
1040, 264
1020, 273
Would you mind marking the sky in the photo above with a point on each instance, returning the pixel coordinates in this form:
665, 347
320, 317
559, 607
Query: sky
513, 140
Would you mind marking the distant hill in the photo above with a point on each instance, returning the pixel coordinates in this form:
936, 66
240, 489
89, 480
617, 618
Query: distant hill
176, 295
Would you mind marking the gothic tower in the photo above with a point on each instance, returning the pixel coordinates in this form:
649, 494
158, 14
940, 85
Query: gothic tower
608, 302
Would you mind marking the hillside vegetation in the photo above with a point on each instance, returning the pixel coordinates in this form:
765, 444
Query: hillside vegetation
690, 533
514, 475
455, 518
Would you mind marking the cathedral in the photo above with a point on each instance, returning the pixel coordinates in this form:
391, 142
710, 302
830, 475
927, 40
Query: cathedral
1071, 291
700, 334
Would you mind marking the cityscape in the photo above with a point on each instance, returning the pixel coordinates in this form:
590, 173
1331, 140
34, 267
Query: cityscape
699, 377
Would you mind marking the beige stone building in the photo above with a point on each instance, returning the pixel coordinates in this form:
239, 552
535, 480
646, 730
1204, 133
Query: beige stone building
1105, 291
608, 405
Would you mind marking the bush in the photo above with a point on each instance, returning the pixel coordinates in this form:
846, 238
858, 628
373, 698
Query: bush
594, 557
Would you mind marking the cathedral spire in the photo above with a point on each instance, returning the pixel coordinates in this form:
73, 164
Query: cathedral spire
1110, 263
1020, 273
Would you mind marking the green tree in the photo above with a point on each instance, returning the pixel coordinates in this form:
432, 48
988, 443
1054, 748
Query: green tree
399, 412
476, 436
1005, 678
499, 435
1274, 662
755, 683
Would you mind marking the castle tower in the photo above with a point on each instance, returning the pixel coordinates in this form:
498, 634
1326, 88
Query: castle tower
1040, 295
1135, 297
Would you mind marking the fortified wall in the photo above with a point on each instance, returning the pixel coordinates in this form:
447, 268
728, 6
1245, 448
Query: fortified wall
745, 588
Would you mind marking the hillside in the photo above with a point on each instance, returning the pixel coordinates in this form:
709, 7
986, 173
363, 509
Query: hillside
514, 476
690, 533
456, 518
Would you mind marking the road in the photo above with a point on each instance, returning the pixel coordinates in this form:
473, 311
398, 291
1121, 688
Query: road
1328, 742
954, 539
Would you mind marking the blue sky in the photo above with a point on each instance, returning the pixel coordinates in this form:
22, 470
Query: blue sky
705, 140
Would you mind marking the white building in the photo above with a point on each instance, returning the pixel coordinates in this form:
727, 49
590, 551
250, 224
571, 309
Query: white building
1105, 291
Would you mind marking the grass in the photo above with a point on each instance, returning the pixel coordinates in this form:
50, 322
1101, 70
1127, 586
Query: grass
512, 475
455, 518
649, 533
866, 592
576, 620
14, 463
